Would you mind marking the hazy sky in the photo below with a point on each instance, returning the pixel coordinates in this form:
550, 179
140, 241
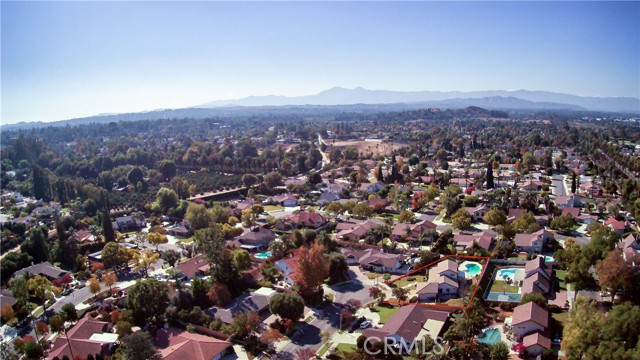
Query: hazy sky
71, 59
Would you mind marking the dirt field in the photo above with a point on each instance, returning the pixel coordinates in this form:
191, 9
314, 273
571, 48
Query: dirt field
365, 146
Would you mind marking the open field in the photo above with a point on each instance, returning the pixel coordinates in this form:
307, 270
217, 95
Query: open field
365, 146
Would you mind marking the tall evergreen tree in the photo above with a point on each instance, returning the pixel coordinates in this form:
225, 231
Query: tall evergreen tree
107, 225
574, 184
41, 186
490, 184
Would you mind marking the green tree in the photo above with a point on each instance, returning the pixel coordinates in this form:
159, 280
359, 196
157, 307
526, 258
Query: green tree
197, 216
156, 239
406, 216
287, 306
248, 180
461, 219
138, 346
495, 217
135, 176
166, 199
211, 242
147, 299
563, 222
362, 210
115, 256
41, 185
241, 259
167, 168
499, 351
338, 268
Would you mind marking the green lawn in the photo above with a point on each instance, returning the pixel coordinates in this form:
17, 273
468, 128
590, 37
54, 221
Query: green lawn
38, 311
405, 281
561, 317
385, 312
269, 208
502, 286
187, 240
346, 347
324, 348
561, 275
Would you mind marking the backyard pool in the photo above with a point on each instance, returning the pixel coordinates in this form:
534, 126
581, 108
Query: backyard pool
263, 255
489, 336
547, 258
506, 273
470, 268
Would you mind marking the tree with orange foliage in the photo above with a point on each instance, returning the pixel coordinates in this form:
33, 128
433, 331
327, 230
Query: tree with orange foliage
115, 316
109, 279
94, 285
7, 313
311, 270
219, 295
270, 336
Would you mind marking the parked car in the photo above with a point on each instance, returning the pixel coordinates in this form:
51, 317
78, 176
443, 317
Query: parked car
365, 324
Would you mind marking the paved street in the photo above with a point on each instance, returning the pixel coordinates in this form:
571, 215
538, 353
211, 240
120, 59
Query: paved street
557, 185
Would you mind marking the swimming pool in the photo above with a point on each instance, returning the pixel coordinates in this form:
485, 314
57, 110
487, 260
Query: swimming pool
263, 255
489, 336
470, 269
506, 273
547, 258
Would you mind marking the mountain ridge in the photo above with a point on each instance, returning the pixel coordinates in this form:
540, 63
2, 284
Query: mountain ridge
360, 95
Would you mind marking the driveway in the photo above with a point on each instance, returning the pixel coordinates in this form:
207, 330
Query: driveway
309, 335
557, 185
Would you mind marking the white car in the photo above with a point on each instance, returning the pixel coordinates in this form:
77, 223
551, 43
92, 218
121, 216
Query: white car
365, 324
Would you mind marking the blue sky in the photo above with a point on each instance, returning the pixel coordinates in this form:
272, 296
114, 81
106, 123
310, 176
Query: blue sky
71, 59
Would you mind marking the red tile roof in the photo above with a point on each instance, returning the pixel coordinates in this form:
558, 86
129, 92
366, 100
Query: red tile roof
175, 344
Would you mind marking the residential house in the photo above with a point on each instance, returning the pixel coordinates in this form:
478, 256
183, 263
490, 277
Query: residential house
286, 200
307, 219
178, 344
356, 231
536, 343
533, 243
83, 236
619, 227
630, 247
288, 268
574, 212
371, 188
411, 232
444, 282
327, 197
128, 223
538, 277
478, 212
256, 238
180, 230
196, 266
380, 262
43, 269
257, 302
563, 201
409, 323
514, 214
529, 318
87, 337
484, 239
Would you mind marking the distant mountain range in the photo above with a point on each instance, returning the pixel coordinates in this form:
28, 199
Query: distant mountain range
367, 101
494, 98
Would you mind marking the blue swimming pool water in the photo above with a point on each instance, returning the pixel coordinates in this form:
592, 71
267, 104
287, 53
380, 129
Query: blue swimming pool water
472, 269
263, 255
489, 336
510, 273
